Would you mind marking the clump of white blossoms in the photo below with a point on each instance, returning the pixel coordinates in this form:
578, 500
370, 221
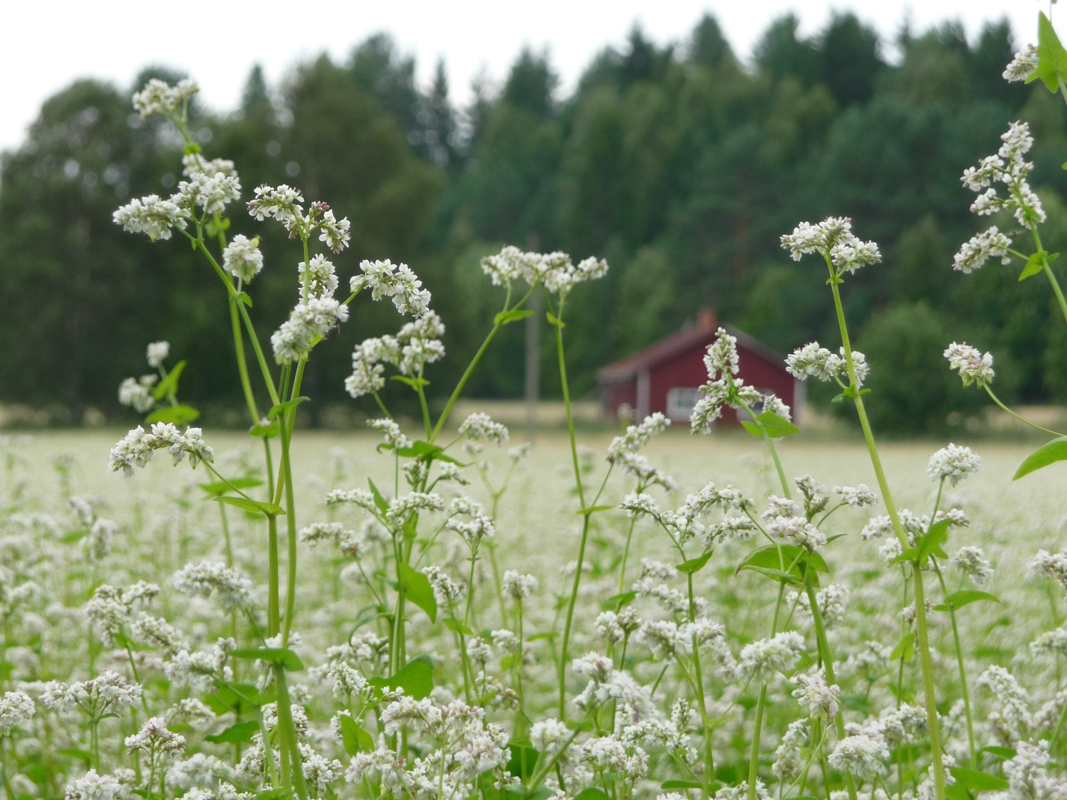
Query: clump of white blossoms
204, 578
417, 344
554, 270
137, 446
953, 463
242, 257
1010, 168
760, 660
396, 281
137, 393
862, 755
481, 427
15, 708
159, 97
833, 240
725, 389
286, 205
811, 360
157, 353
1022, 66
93, 786
973, 365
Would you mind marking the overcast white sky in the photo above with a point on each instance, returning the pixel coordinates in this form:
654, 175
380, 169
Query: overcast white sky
49, 44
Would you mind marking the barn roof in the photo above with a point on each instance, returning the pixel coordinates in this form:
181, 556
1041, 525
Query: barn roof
673, 345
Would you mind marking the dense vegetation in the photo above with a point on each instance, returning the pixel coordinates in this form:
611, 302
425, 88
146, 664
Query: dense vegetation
680, 164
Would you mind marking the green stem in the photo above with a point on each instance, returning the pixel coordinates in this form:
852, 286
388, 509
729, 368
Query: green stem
922, 630
996, 400
959, 662
761, 702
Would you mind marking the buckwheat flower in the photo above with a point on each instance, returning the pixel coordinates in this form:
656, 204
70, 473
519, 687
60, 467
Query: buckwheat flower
334, 233
319, 276
980, 248
159, 634
1011, 715
1048, 565
848, 256
157, 354
1022, 66
861, 755
1050, 643
473, 532
735, 527
833, 239
159, 97
93, 786
396, 281
664, 638
212, 193
637, 505
205, 578
200, 771
971, 562
740, 792
1009, 167
973, 365
798, 531
811, 360
637, 436
193, 163
549, 735
607, 683
445, 590
400, 508
155, 741
152, 215
242, 257
394, 437
518, 586
789, 758
1027, 773
480, 427
953, 463
15, 708
761, 659
297, 335
137, 393
200, 670
817, 696
780, 507
877, 527
858, 497
283, 203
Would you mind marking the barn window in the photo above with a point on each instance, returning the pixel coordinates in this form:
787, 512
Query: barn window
680, 403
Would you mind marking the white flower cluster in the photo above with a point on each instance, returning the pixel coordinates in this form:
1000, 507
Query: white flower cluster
108, 692
856, 496
308, 323
415, 345
15, 708
153, 215
396, 281
684, 523
833, 239
980, 248
136, 447
159, 97
519, 586
862, 755
110, 610
724, 389
157, 353
813, 361
480, 427
798, 531
1049, 565
93, 786
973, 365
137, 393
242, 258
286, 205
971, 561
155, 742
761, 659
607, 683
554, 270
817, 696
637, 436
204, 578
953, 463
1010, 168
1022, 66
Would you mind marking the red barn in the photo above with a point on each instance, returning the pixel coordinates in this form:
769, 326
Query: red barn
666, 375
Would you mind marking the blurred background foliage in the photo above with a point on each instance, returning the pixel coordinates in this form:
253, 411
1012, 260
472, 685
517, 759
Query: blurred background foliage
679, 164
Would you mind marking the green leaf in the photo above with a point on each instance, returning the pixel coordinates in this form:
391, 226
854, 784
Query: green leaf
933, 539
456, 626
976, 781
1034, 265
955, 791
220, 487
554, 321
414, 383
379, 501
418, 590
191, 148
1054, 451
175, 415
286, 407
243, 298
275, 794
767, 556
355, 739
999, 752
169, 385
264, 431
777, 427
415, 678
239, 732
777, 574
1051, 57
905, 649
522, 761
289, 660
75, 752
680, 785
694, 565
504, 317
592, 793
908, 555
427, 452
621, 599
255, 507
965, 597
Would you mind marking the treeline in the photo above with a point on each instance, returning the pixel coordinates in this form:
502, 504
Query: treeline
680, 164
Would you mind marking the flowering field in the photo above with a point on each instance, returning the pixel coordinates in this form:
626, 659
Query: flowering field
437, 611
